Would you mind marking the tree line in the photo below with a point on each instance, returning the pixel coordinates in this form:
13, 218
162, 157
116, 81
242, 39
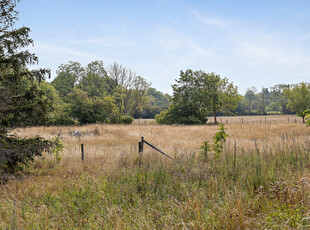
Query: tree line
95, 94
116, 94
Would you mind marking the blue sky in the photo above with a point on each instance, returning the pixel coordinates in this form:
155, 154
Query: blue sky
252, 43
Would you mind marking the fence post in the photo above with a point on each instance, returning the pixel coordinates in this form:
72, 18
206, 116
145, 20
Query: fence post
141, 150
288, 119
82, 152
241, 120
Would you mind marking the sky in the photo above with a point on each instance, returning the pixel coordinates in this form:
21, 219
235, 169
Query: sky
253, 43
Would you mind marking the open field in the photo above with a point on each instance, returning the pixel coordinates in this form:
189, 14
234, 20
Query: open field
269, 119
261, 180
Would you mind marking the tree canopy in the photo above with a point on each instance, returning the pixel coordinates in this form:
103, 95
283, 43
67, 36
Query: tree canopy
299, 98
196, 94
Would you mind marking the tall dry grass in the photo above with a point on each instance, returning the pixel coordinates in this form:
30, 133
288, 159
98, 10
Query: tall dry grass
268, 187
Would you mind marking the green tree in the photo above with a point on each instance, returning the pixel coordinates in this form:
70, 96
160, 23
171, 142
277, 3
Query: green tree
129, 88
228, 98
197, 94
95, 80
81, 106
299, 98
60, 114
263, 101
279, 101
68, 76
250, 98
21, 102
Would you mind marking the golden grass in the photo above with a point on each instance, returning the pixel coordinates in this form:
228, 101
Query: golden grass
107, 145
113, 140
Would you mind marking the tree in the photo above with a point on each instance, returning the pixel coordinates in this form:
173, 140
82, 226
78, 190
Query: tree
128, 87
279, 101
21, 102
263, 100
299, 98
81, 106
228, 98
197, 94
155, 102
95, 80
60, 114
68, 76
250, 97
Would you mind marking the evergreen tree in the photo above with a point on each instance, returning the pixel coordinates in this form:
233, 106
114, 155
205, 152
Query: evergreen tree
21, 102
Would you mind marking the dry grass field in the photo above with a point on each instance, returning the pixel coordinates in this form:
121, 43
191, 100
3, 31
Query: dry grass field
260, 181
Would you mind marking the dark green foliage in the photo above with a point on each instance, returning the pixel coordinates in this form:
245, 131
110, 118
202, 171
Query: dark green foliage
197, 94
299, 98
126, 119
156, 103
92, 110
181, 114
16, 152
22, 102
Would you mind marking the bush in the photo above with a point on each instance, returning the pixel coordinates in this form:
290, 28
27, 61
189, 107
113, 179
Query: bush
127, 119
174, 116
16, 152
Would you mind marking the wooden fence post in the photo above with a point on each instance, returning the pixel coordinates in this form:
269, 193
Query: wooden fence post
82, 152
141, 150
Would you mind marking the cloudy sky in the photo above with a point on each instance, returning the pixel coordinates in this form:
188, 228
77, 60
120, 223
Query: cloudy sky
253, 43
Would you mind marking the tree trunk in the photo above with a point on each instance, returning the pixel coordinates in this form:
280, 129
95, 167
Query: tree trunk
303, 119
215, 121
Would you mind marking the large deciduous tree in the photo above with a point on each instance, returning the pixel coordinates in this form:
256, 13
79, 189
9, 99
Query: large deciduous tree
129, 89
299, 98
197, 94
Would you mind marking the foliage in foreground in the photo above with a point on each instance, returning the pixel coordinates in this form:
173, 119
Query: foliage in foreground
259, 189
17, 152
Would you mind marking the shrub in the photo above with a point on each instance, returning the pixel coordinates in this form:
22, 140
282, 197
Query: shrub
16, 152
127, 119
218, 139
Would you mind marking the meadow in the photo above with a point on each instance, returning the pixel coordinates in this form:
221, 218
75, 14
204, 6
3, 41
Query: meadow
261, 180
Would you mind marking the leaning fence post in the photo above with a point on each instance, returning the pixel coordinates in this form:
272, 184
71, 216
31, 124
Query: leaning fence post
82, 152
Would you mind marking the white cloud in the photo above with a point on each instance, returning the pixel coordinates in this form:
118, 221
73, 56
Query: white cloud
107, 42
209, 21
